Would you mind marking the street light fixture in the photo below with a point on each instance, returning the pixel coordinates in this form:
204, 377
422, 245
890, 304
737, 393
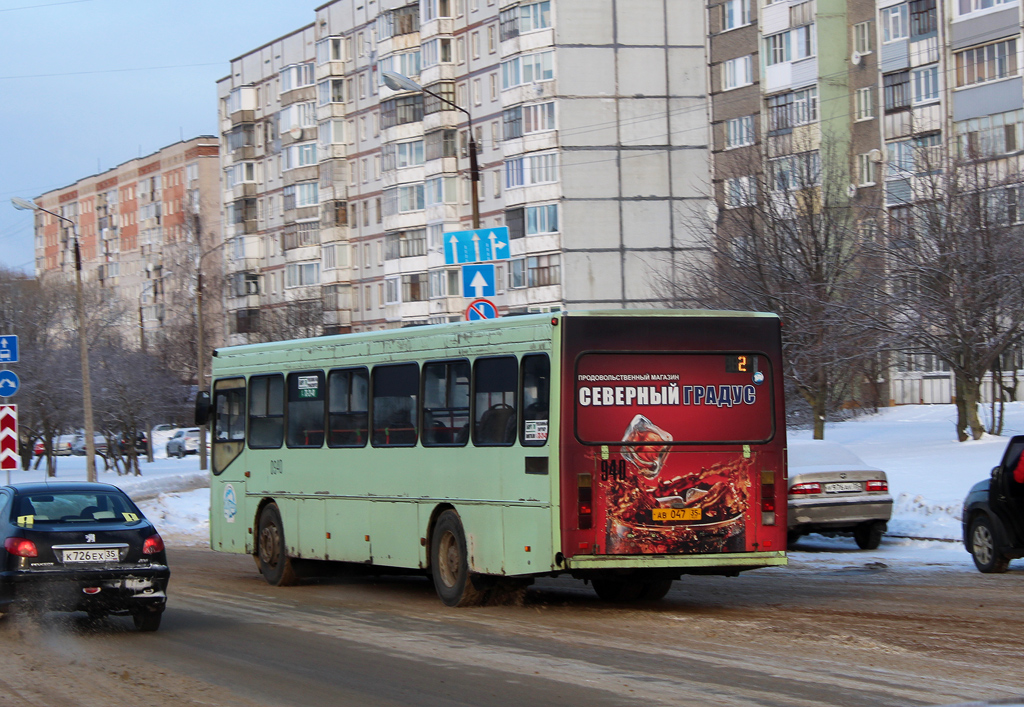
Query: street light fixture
90, 444
398, 82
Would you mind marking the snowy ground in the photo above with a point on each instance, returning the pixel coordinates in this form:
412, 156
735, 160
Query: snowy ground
929, 475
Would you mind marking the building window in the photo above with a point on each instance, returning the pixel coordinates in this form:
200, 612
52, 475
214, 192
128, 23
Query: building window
543, 270
440, 190
739, 132
541, 219
331, 91
787, 110
515, 220
740, 191
439, 144
897, 91
401, 155
403, 199
391, 290
527, 69
512, 122
926, 84
444, 90
737, 72
401, 110
864, 99
968, 6
531, 169
538, 117
894, 23
991, 135
865, 170
987, 63
899, 159
517, 274
415, 287
795, 172
297, 76
863, 37
923, 18
776, 48
437, 51
735, 13
302, 274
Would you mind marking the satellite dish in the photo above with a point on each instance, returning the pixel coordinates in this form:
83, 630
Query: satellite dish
295, 132
855, 58
851, 190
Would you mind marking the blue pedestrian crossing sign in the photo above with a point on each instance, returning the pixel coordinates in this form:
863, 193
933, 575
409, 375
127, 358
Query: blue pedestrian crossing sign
8, 349
481, 309
478, 280
477, 246
8, 384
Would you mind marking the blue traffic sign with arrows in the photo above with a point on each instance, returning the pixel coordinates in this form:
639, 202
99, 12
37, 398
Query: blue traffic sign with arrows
8, 383
8, 349
477, 246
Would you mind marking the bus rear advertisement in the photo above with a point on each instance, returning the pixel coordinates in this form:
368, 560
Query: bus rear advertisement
626, 448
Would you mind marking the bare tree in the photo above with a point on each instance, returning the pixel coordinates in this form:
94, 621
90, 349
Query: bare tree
955, 267
790, 241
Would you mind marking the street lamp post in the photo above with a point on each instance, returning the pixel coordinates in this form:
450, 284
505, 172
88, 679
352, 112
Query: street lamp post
90, 446
398, 82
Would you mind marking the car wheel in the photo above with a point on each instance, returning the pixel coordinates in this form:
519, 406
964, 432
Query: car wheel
987, 557
147, 620
274, 563
180, 453
869, 535
449, 563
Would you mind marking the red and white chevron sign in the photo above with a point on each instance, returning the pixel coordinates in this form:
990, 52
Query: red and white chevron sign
8, 437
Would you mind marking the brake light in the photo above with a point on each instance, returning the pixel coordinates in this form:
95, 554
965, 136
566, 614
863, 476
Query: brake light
877, 485
153, 545
767, 497
20, 547
799, 489
584, 508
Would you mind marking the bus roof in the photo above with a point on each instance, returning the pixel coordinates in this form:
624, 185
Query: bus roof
501, 323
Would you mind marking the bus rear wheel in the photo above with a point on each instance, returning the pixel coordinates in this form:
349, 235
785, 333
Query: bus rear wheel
622, 591
272, 553
449, 563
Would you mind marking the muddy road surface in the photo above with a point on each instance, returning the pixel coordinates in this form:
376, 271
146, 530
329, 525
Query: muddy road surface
861, 635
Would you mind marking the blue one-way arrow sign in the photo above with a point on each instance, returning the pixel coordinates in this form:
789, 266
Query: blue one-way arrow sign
8, 349
8, 383
478, 280
476, 246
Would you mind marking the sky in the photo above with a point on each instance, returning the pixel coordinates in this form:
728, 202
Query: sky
88, 84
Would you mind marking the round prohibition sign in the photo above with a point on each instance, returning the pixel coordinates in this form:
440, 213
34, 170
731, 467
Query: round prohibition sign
481, 309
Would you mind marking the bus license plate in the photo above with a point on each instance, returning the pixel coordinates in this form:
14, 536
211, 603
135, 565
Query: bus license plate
671, 514
845, 487
99, 555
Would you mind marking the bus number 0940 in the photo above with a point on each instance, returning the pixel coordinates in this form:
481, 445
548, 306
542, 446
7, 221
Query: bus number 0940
615, 469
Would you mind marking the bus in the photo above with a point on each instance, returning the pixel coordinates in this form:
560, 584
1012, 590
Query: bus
626, 448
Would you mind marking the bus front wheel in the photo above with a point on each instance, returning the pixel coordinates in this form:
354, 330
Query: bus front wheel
272, 553
449, 563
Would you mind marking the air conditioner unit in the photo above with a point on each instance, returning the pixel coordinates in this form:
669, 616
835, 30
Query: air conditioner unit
875, 155
855, 58
851, 190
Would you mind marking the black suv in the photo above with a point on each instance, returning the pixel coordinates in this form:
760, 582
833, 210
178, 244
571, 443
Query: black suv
993, 515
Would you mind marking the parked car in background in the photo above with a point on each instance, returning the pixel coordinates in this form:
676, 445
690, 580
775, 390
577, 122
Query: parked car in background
99, 444
61, 446
80, 547
163, 428
140, 443
993, 514
833, 491
184, 441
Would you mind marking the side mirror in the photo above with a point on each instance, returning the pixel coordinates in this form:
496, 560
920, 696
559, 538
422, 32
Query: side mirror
202, 407
995, 471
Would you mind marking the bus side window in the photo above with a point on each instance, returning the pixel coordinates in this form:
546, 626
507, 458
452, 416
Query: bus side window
348, 404
445, 403
536, 387
494, 398
266, 412
306, 396
395, 390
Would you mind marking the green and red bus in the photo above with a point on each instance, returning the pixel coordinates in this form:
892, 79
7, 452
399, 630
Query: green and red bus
626, 448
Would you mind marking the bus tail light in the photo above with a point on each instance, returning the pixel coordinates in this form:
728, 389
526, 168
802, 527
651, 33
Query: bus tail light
584, 508
767, 498
877, 485
803, 489
20, 547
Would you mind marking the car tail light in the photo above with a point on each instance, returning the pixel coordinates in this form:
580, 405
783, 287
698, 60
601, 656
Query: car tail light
21, 547
153, 545
800, 489
877, 485
584, 508
767, 497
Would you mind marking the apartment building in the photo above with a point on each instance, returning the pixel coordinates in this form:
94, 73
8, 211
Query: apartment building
143, 227
589, 120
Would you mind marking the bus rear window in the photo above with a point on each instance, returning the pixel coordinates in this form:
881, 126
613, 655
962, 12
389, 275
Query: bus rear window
673, 398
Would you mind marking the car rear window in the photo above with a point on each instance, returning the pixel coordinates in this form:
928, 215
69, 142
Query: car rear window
71, 508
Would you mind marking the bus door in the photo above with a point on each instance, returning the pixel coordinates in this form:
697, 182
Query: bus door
673, 453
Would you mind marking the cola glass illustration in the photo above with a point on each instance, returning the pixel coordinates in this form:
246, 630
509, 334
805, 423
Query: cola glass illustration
645, 449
